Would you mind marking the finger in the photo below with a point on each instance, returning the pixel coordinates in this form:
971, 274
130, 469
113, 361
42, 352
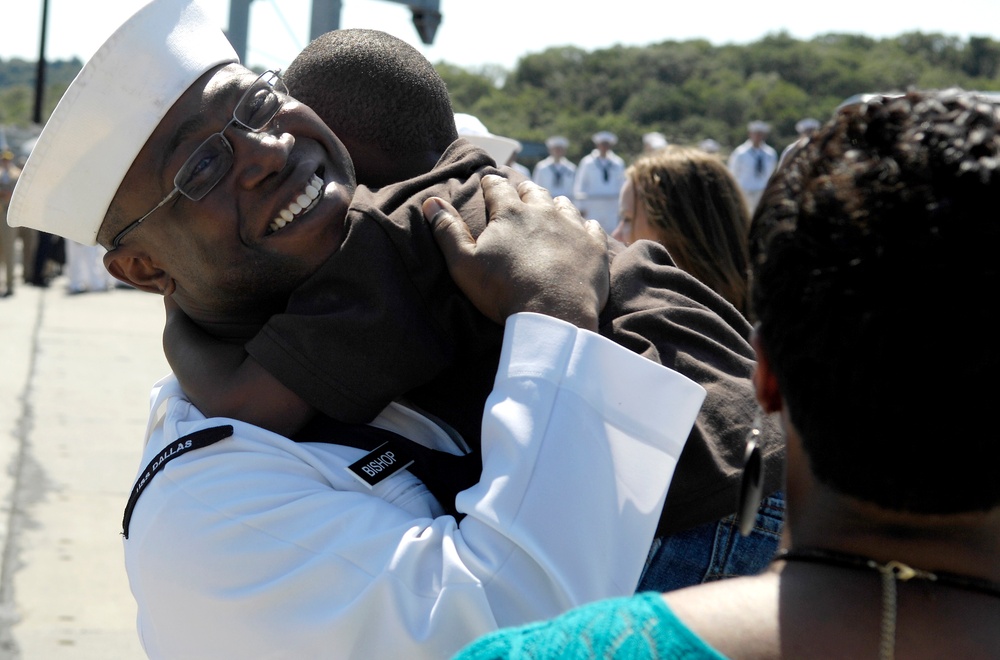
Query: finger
532, 193
450, 232
596, 232
567, 209
500, 194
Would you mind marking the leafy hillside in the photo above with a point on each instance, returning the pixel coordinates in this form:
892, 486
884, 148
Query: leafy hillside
692, 90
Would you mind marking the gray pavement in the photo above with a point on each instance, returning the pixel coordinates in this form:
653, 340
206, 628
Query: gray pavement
75, 376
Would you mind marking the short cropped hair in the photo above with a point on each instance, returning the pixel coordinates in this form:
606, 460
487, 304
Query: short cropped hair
697, 208
874, 276
376, 90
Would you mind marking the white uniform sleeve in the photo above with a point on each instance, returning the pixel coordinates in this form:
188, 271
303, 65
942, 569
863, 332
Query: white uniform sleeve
581, 181
734, 163
257, 547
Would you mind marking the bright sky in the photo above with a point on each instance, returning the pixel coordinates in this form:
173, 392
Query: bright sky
477, 32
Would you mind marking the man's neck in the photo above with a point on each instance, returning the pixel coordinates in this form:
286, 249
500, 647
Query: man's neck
230, 327
234, 332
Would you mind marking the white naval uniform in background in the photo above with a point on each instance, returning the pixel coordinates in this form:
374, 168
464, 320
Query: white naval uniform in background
597, 185
555, 177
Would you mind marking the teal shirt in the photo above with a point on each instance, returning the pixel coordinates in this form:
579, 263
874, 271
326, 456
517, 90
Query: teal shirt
639, 627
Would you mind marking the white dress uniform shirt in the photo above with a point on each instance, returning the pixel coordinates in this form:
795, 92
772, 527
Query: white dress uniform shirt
259, 547
752, 167
555, 176
596, 187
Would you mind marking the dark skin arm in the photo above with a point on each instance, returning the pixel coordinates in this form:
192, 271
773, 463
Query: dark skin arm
222, 380
536, 255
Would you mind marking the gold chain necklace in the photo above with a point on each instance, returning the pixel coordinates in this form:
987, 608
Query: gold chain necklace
890, 572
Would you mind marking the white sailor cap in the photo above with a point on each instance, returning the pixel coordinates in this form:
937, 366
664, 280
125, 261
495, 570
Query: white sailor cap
606, 137
107, 114
710, 145
498, 147
807, 124
654, 141
557, 141
758, 127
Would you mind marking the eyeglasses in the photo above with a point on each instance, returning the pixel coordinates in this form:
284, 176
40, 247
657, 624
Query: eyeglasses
210, 162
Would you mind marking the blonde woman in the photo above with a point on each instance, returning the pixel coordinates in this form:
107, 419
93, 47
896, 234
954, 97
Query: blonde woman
686, 200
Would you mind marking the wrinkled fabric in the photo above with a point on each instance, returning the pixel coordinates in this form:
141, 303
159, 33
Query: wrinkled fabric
382, 320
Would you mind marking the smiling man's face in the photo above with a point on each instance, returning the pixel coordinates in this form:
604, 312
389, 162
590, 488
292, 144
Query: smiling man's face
237, 253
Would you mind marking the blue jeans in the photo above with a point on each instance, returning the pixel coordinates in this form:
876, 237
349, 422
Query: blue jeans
714, 551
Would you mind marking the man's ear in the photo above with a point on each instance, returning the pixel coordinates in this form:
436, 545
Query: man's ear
765, 382
136, 269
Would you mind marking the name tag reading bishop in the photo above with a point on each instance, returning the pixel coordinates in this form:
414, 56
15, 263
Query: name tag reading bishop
380, 463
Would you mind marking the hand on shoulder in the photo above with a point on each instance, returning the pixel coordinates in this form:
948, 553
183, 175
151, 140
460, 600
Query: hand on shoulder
535, 255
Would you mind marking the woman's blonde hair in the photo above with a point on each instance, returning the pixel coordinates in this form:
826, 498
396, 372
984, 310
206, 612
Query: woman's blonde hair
694, 203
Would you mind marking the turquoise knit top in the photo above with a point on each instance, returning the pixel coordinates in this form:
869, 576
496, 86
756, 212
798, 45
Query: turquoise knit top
639, 627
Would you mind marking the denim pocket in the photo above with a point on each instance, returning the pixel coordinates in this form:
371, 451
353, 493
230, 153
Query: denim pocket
715, 550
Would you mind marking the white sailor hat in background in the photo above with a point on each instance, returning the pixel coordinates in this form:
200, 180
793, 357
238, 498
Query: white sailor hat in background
806, 125
498, 147
606, 137
107, 114
654, 141
758, 126
557, 142
710, 145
